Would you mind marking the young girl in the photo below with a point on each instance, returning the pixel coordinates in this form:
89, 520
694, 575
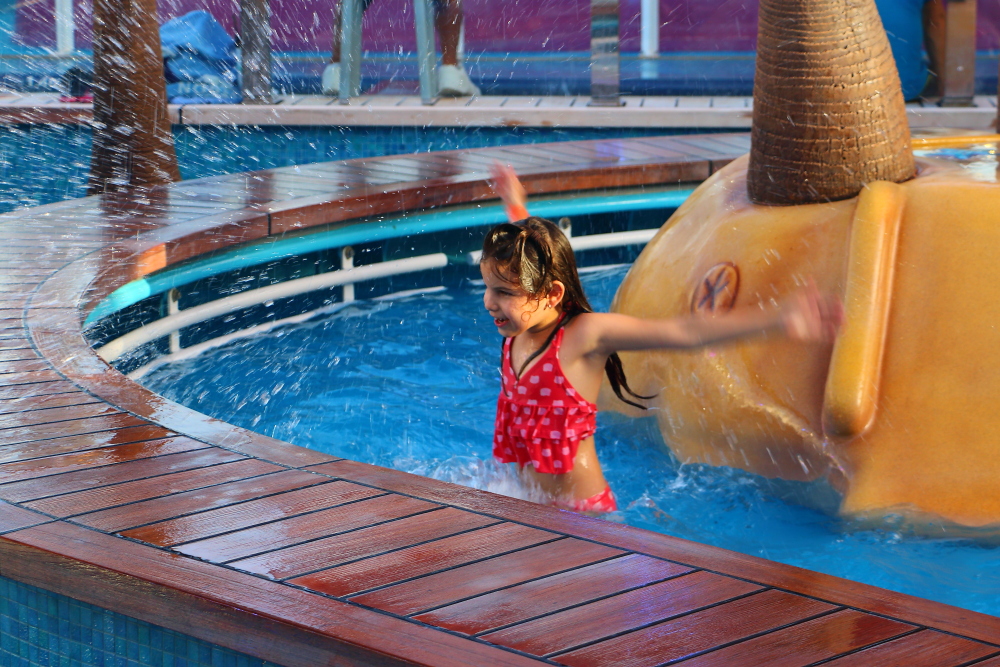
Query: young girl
556, 350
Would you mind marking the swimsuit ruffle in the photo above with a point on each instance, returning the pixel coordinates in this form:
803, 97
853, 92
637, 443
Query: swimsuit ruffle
545, 437
602, 502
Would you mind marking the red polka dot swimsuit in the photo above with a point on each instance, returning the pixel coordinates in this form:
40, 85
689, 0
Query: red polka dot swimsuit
541, 419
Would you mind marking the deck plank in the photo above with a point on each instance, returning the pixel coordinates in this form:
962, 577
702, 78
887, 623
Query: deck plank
18, 354
29, 377
142, 501
706, 146
572, 153
15, 343
375, 171
698, 632
294, 530
629, 611
629, 150
23, 392
468, 581
79, 443
51, 415
251, 513
329, 551
520, 101
545, 158
455, 166
559, 102
16, 518
589, 153
516, 604
694, 102
35, 489
481, 162
730, 102
660, 102
61, 464
423, 559
31, 403
37, 432
805, 643
927, 648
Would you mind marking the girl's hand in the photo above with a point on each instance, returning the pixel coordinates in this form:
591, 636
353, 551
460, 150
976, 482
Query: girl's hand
811, 315
508, 187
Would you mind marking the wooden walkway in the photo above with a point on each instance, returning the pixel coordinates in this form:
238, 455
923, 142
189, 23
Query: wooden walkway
487, 111
120, 498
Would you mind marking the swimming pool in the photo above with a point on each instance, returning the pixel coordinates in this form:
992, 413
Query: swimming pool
409, 381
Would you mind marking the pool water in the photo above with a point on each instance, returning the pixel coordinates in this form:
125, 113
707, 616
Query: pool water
411, 384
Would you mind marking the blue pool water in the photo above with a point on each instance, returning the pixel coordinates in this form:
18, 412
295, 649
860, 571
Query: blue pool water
411, 384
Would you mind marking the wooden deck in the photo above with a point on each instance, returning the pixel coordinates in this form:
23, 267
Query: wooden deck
120, 498
500, 111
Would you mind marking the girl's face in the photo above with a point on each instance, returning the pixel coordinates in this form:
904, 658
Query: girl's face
513, 310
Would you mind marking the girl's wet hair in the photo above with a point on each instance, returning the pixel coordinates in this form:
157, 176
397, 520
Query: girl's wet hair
534, 253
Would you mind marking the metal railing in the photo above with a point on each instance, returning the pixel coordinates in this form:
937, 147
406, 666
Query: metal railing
206, 311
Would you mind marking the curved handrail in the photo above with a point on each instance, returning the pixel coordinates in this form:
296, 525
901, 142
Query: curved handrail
171, 323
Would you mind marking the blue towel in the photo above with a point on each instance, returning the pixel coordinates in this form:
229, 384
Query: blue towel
199, 59
903, 23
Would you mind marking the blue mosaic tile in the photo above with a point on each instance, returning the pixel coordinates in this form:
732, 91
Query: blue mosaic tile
43, 629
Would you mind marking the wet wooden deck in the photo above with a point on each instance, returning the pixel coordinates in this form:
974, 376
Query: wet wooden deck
486, 111
115, 496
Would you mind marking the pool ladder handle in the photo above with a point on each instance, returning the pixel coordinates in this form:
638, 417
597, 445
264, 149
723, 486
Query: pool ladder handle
852, 387
351, 12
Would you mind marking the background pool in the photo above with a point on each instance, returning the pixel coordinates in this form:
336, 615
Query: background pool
411, 384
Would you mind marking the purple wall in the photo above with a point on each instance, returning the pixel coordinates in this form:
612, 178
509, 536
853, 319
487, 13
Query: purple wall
538, 25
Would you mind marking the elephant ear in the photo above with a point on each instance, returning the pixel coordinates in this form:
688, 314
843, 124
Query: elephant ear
828, 113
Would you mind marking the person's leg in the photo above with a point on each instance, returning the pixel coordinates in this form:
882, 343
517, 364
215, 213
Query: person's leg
331, 74
335, 58
453, 81
585, 481
934, 18
448, 22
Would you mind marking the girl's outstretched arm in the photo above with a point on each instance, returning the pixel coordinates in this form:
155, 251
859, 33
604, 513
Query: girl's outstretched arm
508, 187
805, 315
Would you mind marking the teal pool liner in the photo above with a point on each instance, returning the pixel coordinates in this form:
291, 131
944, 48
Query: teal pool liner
38, 627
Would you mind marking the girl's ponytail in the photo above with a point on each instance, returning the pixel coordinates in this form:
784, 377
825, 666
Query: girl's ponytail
616, 377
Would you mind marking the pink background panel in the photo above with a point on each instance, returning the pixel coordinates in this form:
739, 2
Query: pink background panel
491, 26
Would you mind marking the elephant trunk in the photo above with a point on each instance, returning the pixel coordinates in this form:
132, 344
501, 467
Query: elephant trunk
828, 113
